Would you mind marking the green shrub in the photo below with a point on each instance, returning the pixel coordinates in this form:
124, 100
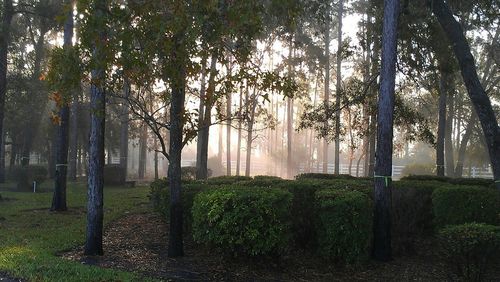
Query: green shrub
227, 180
303, 203
160, 199
323, 176
264, 181
421, 177
114, 174
412, 214
243, 221
470, 249
25, 176
344, 225
462, 204
473, 181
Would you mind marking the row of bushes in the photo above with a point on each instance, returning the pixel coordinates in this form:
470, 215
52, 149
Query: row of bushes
315, 205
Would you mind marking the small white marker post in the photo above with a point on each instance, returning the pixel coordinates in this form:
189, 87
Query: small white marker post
34, 186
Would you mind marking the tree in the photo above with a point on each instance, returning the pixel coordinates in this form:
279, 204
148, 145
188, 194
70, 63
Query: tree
59, 198
477, 94
383, 165
8, 13
93, 243
338, 88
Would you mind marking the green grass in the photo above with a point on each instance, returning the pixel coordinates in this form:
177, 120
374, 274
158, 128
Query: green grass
31, 236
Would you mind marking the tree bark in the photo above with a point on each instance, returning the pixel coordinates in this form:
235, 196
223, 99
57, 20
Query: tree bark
8, 12
124, 128
228, 135
383, 166
463, 146
201, 120
206, 98
251, 118
441, 127
143, 146
95, 177
59, 198
327, 80
238, 152
448, 142
477, 94
178, 88
338, 89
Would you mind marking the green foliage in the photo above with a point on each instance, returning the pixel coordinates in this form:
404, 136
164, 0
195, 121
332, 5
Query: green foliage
462, 204
473, 181
304, 201
227, 180
64, 73
412, 214
160, 199
344, 225
114, 174
243, 221
24, 176
323, 176
470, 249
264, 181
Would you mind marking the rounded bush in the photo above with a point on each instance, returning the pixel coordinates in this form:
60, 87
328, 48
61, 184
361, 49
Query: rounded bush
470, 249
323, 176
227, 180
344, 225
114, 174
462, 204
243, 221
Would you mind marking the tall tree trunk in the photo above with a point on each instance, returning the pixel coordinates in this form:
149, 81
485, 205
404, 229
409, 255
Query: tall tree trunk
201, 119
95, 176
338, 88
463, 146
372, 102
253, 101
327, 80
383, 166
59, 198
238, 152
289, 115
448, 142
441, 127
477, 94
73, 138
124, 128
228, 135
178, 88
207, 100
143, 147
155, 145
8, 12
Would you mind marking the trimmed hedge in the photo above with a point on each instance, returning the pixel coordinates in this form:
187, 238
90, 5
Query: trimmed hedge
344, 225
323, 176
419, 177
462, 204
227, 180
243, 221
470, 249
304, 201
412, 214
160, 199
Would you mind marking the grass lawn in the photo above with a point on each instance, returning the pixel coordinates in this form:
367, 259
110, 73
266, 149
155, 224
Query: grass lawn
31, 236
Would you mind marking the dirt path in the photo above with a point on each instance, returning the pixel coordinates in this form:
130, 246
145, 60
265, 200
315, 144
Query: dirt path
138, 242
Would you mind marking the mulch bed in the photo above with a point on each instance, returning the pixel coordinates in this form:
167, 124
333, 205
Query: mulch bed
138, 242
